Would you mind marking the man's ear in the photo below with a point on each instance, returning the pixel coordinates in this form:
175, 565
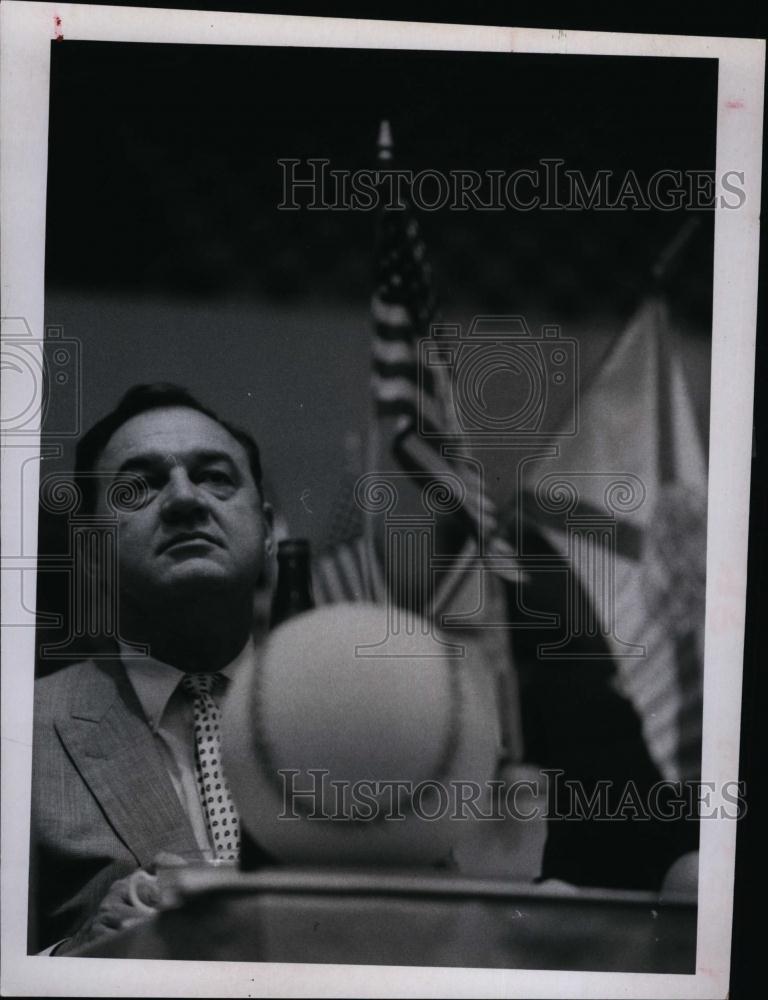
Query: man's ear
269, 527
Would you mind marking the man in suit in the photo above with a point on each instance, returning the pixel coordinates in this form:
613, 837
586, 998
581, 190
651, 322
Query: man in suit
126, 770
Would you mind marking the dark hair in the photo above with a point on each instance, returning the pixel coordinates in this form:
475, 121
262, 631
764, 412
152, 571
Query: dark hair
140, 399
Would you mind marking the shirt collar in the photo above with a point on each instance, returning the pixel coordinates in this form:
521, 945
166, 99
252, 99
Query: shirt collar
155, 682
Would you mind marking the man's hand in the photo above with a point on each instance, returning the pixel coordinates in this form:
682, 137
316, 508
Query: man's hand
128, 901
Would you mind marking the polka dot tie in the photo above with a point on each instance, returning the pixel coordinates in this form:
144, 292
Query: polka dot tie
220, 812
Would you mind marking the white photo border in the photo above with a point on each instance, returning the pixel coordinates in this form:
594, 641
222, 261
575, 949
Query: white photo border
26, 32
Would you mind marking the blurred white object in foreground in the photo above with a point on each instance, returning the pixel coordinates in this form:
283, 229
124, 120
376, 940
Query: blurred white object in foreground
365, 725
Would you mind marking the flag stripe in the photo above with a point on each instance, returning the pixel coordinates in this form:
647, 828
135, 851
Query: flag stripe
393, 351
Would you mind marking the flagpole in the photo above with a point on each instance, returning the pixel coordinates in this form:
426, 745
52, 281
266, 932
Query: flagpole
384, 154
669, 259
665, 265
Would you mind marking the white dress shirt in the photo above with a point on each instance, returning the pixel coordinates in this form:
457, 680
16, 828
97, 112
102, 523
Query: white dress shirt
169, 713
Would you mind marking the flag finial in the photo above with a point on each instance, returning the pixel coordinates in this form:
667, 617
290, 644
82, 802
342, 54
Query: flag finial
384, 143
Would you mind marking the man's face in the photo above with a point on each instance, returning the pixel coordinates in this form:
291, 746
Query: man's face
202, 524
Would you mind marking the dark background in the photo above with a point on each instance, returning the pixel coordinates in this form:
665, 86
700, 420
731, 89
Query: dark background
168, 258
163, 173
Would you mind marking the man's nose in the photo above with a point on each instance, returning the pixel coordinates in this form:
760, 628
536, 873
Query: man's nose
182, 497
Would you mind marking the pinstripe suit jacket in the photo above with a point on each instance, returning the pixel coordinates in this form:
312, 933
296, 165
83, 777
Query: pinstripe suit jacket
102, 801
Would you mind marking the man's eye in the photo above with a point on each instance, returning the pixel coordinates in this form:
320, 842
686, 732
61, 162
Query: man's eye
216, 476
151, 483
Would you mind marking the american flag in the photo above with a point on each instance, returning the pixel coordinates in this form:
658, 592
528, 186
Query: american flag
414, 398
348, 569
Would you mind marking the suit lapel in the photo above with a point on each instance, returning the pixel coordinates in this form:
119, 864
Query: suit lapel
113, 749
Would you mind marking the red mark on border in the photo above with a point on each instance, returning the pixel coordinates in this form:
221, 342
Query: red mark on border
57, 26
734, 104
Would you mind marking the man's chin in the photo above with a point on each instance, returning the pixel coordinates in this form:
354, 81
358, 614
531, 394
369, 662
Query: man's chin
194, 571
191, 577
188, 580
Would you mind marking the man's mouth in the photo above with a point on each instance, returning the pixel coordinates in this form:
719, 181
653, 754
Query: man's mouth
188, 538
